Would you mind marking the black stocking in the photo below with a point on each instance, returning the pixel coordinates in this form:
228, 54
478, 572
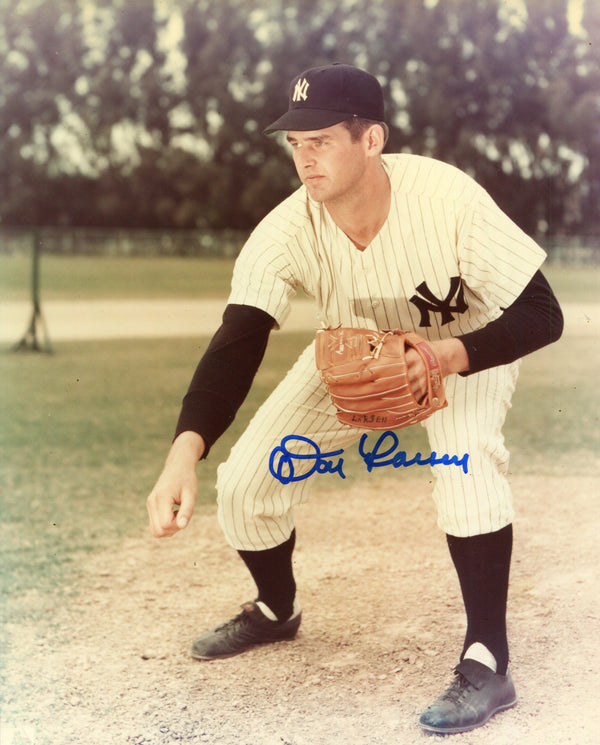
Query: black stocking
272, 571
483, 563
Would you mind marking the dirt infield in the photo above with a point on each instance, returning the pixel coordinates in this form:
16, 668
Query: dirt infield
123, 319
382, 624
117, 319
381, 630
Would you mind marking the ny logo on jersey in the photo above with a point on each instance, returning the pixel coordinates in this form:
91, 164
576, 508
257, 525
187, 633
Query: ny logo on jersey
428, 303
301, 90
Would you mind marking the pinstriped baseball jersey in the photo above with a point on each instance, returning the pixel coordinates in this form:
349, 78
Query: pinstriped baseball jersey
444, 263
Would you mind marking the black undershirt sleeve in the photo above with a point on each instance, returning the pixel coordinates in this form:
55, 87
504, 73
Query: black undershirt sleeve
531, 322
225, 373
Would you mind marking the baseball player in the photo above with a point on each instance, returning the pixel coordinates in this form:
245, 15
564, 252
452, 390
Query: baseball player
381, 242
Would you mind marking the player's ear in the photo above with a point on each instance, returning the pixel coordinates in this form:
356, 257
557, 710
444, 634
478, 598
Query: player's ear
375, 138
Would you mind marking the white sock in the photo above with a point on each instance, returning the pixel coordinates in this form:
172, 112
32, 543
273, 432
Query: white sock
271, 616
480, 653
297, 608
266, 611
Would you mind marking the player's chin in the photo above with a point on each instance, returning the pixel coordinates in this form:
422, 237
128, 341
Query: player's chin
316, 187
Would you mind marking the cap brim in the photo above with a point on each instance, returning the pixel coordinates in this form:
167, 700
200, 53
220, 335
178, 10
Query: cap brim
305, 120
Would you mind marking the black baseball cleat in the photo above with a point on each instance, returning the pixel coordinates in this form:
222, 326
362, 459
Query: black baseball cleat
248, 628
475, 695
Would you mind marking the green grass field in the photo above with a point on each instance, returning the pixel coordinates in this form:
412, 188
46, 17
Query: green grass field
84, 432
97, 277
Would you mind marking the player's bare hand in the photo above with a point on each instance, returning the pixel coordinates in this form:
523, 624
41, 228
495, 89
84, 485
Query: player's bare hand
452, 357
171, 503
417, 373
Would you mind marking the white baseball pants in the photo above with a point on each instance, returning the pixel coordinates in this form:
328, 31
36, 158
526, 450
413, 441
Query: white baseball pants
256, 510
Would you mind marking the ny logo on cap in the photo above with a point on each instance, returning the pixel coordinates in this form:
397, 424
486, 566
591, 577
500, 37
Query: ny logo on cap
300, 91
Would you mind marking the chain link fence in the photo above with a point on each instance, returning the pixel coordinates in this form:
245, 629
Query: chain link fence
572, 250
123, 242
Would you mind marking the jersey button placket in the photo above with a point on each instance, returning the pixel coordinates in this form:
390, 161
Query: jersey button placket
368, 283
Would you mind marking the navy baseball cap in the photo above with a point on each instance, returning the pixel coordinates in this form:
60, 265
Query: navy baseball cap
323, 96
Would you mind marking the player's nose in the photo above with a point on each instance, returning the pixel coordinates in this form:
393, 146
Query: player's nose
305, 158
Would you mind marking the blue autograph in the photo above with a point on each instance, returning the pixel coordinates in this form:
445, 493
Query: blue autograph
283, 467
284, 462
379, 457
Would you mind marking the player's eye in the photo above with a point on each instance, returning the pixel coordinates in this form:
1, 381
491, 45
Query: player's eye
317, 144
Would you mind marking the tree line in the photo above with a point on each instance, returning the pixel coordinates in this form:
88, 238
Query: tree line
149, 113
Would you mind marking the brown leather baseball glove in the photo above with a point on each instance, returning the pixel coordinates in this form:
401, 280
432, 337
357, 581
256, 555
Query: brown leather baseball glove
365, 374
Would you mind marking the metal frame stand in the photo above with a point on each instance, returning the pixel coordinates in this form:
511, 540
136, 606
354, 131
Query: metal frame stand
32, 340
